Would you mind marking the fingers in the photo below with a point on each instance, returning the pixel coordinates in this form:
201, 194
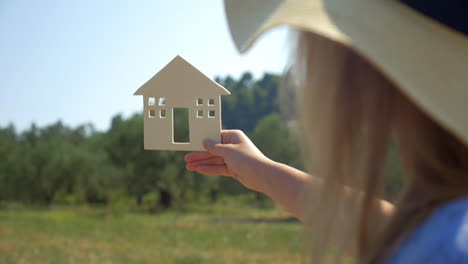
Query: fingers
205, 162
217, 149
211, 161
211, 170
198, 155
211, 165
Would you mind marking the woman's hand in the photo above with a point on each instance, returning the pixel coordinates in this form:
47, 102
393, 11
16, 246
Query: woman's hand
238, 157
235, 157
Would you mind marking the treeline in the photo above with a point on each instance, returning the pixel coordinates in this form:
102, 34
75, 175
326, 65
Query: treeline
57, 164
64, 165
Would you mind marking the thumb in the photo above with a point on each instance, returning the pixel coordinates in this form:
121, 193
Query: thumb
215, 148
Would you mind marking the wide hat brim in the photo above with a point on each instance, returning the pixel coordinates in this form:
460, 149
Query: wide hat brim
426, 59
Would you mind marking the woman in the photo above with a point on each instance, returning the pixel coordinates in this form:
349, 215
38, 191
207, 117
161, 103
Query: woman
370, 71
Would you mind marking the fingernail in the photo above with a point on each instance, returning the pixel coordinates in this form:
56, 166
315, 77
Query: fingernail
207, 143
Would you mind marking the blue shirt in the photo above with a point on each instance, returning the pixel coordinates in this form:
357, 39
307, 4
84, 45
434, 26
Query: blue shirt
442, 238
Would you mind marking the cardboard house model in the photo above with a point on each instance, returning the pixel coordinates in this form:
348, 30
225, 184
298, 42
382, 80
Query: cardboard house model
180, 85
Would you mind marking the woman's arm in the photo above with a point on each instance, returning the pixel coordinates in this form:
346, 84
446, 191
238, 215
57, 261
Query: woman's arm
239, 158
286, 186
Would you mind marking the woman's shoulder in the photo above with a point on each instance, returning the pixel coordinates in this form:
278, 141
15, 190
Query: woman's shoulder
442, 238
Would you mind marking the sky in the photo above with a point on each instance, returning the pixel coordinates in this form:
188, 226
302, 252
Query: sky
81, 61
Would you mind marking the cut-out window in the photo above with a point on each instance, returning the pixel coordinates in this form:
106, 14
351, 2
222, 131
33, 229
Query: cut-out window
162, 113
162, 101
211, 113
151, 101
152, 113
199, 113
199, 101
181, 127
211, 101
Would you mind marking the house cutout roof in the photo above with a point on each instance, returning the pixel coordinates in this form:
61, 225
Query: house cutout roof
181, 77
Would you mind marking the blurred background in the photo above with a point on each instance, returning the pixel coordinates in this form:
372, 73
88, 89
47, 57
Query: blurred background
76, 185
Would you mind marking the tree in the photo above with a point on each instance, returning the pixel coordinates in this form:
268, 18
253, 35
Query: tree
277, 140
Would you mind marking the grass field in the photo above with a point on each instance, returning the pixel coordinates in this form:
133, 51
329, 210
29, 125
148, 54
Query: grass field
205, 234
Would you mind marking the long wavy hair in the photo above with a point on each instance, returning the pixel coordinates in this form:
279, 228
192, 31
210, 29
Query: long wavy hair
350, 112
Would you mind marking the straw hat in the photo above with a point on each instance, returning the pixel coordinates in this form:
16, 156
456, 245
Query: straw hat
421, 45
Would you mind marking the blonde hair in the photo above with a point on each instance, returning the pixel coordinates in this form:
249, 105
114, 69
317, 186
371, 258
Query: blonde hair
350, 112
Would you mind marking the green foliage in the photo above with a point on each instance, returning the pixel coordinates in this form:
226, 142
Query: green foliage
181, 128
249, 101
277, 140
63, 165
43, 164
